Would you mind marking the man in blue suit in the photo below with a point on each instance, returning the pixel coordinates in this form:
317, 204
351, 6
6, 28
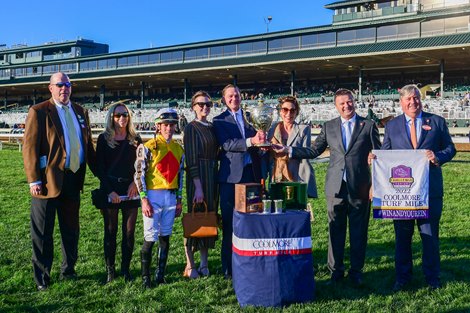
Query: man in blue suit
416, 129
240, 162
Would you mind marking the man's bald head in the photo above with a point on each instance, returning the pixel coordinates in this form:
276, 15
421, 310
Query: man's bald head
60, 87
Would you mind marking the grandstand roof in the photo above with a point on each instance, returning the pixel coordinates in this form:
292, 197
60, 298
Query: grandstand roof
51, 45
353, 24
337, 61
340, 4
393, 56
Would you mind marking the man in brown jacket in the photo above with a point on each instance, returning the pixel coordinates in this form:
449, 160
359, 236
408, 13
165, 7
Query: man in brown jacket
57, 144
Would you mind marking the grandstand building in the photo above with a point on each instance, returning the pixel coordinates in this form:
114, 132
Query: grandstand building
371, 46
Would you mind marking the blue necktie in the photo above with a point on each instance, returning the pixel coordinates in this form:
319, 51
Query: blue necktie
347, 134
239, 119
346, 141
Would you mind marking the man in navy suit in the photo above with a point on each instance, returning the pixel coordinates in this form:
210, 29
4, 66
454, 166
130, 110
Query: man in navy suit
416, 129
240, 162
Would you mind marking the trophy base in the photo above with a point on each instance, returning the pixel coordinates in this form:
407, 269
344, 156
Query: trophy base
263, 145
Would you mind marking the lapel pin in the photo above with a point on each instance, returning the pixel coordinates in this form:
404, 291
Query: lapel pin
426, 127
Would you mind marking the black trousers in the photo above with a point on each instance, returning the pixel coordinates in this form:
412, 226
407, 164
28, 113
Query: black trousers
129, 217
43, 213
340, 210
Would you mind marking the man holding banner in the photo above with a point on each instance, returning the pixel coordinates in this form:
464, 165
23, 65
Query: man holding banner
418, 130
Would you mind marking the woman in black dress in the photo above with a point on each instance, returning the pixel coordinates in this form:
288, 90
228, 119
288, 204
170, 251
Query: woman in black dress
116, 154
200, 150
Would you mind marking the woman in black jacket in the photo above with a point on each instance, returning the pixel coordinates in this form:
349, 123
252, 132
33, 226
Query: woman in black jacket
116, 154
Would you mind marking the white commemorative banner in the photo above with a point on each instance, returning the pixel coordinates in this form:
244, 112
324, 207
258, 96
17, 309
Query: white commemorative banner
400, 182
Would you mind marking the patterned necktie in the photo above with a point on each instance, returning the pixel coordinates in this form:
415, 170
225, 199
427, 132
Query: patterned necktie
414, 139
74, 164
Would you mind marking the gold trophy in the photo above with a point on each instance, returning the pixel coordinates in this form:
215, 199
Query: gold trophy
262, 118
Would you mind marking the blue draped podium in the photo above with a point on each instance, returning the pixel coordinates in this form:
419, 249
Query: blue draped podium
272, 263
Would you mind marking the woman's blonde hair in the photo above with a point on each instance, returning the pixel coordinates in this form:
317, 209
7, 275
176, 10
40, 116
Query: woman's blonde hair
109, 132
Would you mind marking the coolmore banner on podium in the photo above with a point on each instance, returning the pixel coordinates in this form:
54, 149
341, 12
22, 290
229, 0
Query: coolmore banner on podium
272, 262
400, 182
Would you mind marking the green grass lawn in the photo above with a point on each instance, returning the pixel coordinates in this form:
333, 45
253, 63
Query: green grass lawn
214, 294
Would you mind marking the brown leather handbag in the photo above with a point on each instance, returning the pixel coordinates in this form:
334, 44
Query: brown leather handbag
200, 224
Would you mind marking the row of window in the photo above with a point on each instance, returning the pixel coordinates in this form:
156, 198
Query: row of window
369, 6
424, 4
329, 39
437, 4
34, 56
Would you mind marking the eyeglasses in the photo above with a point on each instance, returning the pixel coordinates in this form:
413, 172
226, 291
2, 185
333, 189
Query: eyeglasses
60, 85
286, 110
119, 115
202, 104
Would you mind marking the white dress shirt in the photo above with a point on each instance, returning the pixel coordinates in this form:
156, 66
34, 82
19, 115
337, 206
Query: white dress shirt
77, 125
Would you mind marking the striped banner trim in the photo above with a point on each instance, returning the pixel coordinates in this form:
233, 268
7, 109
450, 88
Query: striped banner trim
271, 246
